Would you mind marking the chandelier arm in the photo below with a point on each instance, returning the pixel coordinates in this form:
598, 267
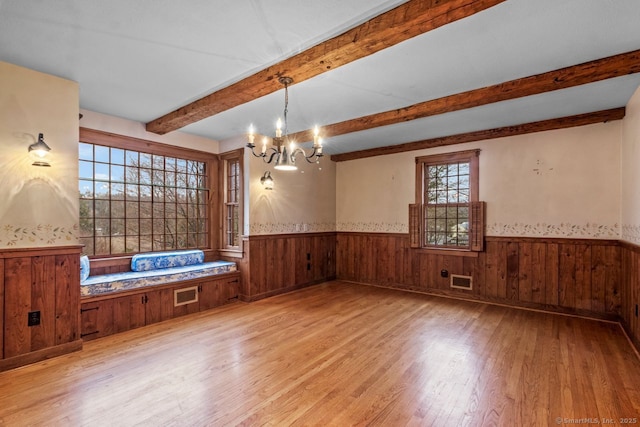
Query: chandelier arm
252, 146
275, 153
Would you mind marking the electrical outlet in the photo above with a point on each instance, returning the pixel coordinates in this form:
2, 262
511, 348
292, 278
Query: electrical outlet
34, 318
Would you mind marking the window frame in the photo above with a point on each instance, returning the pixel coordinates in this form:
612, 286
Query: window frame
97, 137
419, 209
226, 158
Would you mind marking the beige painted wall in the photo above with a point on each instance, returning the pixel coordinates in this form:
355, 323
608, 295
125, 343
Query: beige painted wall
302, 201
630, 211
106, 123
39, 206
562, 183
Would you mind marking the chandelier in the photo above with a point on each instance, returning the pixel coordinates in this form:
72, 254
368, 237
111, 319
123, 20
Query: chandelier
285, 157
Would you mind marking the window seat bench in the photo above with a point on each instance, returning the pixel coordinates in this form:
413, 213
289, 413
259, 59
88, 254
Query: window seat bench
159, 286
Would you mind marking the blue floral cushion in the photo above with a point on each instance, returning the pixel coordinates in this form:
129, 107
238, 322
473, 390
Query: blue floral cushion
107, 283
84, 268
157, 260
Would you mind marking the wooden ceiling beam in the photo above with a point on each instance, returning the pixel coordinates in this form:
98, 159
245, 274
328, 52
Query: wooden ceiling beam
576, 75
522, 129
406, 21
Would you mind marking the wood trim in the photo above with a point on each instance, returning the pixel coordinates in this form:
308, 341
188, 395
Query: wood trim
576, 75
522, 129
39, 355
406, 21
44, 251
99, 137
143, 290
254, 238
630, 246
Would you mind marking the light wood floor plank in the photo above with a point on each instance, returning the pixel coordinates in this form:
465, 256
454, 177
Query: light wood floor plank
337, 354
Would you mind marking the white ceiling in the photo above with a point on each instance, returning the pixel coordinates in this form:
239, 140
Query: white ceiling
142, 59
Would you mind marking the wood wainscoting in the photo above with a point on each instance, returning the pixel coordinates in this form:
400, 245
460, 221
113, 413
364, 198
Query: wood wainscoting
275, 264
630, 291
45, 281
563, 275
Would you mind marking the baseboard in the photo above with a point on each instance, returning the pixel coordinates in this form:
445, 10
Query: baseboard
613, 318
252, 298
635, 343
39, 355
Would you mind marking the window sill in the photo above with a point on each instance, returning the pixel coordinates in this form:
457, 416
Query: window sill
231, 253
449, 252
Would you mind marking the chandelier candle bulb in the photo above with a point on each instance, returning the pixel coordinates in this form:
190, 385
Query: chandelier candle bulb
264, 145
316, 132
251, 135
278, 128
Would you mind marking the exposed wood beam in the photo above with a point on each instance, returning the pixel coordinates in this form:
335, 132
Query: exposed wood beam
576, 75
552, 124
397, 25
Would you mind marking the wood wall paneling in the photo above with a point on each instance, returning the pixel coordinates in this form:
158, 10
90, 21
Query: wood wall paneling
566, 275
44, 280
1, 308
630, 291
17, 337
276, 264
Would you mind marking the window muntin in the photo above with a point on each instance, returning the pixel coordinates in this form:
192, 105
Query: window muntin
132, 201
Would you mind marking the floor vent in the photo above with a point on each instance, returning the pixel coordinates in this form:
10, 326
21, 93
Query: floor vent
185, 296
461, 282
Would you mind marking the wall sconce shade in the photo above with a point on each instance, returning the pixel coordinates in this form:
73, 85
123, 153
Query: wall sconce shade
267, 181
39, 152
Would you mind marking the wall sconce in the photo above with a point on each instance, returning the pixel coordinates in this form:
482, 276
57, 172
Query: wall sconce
267, 181
39, 152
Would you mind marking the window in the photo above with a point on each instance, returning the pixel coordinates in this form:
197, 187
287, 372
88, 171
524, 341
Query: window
232, 197
447, 213
138, 201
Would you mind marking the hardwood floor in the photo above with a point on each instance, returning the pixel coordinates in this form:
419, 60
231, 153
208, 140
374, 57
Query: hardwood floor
337, 354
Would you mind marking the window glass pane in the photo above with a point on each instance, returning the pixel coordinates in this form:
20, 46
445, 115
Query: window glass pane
102, 154
132, 245
117, 156
117, 191
117, 227
158, 162
103, 227
132, 227
117, 173
464, 169
86, 189
117, 245
145, 160
117, 209
146, 227
85, 170
102, 171
131, 158
85, 151
102, 208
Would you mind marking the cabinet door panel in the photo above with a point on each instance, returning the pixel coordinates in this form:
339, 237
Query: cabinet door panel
159, 305
218, 292
128, 313
97, 319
